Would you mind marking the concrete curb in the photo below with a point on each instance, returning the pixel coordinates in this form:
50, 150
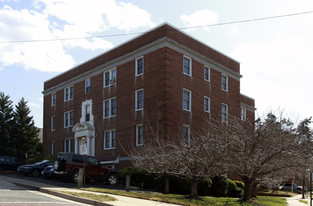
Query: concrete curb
74, 198
62, 195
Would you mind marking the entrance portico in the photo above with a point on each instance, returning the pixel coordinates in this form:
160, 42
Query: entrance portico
84, 138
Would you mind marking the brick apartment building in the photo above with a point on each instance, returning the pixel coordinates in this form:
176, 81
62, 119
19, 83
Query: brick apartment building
162, 79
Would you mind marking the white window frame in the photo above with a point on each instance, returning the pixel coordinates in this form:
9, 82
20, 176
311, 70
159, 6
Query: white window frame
136, 67
189, 100
224, 114
190, 66
186, 141
67, 145
87, 112
137, 108
53, 99
53, 123
208, 101
68, 93
112, 77
112, 139
243, 114
111, 113
208, 76
226, 83
138, 136
70, 120
87, 86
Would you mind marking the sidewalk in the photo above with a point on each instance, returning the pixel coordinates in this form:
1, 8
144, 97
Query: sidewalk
57, 191
294, 201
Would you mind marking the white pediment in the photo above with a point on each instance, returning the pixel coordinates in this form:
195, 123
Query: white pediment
82, 127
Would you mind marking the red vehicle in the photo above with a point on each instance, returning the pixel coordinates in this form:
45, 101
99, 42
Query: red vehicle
68, 164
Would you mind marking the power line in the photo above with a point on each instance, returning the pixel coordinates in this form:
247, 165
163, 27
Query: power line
182, 28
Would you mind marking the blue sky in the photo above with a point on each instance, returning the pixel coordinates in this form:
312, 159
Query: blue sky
275, 54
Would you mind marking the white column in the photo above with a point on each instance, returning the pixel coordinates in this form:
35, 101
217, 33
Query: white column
88, 145
76, 145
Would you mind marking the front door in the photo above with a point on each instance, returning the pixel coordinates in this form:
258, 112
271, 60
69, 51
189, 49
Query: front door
83, 146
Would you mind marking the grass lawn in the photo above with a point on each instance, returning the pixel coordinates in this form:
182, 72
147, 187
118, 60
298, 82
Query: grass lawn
101, 198
180, 199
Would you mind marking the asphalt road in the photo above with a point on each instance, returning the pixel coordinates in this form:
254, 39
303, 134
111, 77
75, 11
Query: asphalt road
13, 195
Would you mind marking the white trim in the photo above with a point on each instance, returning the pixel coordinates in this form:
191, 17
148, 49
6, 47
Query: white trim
243, 113
189, 99
53, 99
70, 97
53, 123
224, 75
136, 98
86, 86
137, 134
188, 133
112, 79
190, 66
209, 104
136, 66
70, 124
110, 107
148, 48
226, 113
110, 139
209, 73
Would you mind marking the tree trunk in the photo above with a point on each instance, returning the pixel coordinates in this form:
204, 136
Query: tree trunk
247, 191
167, 185
254, 189
194, 189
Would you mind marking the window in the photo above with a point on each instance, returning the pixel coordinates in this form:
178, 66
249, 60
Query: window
87, 115
139, 100
207, 73
186, 100
187, 66
139, 135
52, 147
139, 66
109, 77
243, 114
53, 123
93, 161
67, 145
224, 113
68, 119
68, 93
109, 108
54, 99
224, 83
186, 135
206, 104
87, 86
109, 140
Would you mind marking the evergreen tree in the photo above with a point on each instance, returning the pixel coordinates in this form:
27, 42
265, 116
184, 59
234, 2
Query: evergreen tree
6, 120
24, 133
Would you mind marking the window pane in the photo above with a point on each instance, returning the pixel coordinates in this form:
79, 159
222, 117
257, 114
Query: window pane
186, 66
139, 66
186, 100
206, 74
113, 139
107, 140
139, 133
139, 96
113, 74
71, 92
113, 107
106, 108
186, 133
107, 78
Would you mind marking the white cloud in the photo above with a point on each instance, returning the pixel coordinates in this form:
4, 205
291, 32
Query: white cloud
31, 104
278, 74
200, 18
52, 19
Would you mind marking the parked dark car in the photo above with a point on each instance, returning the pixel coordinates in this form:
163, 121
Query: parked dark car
48, 172
10, 163
68, 164
34, 169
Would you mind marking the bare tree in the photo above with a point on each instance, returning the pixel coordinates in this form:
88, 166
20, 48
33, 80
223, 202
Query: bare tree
256, 154
172, 156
